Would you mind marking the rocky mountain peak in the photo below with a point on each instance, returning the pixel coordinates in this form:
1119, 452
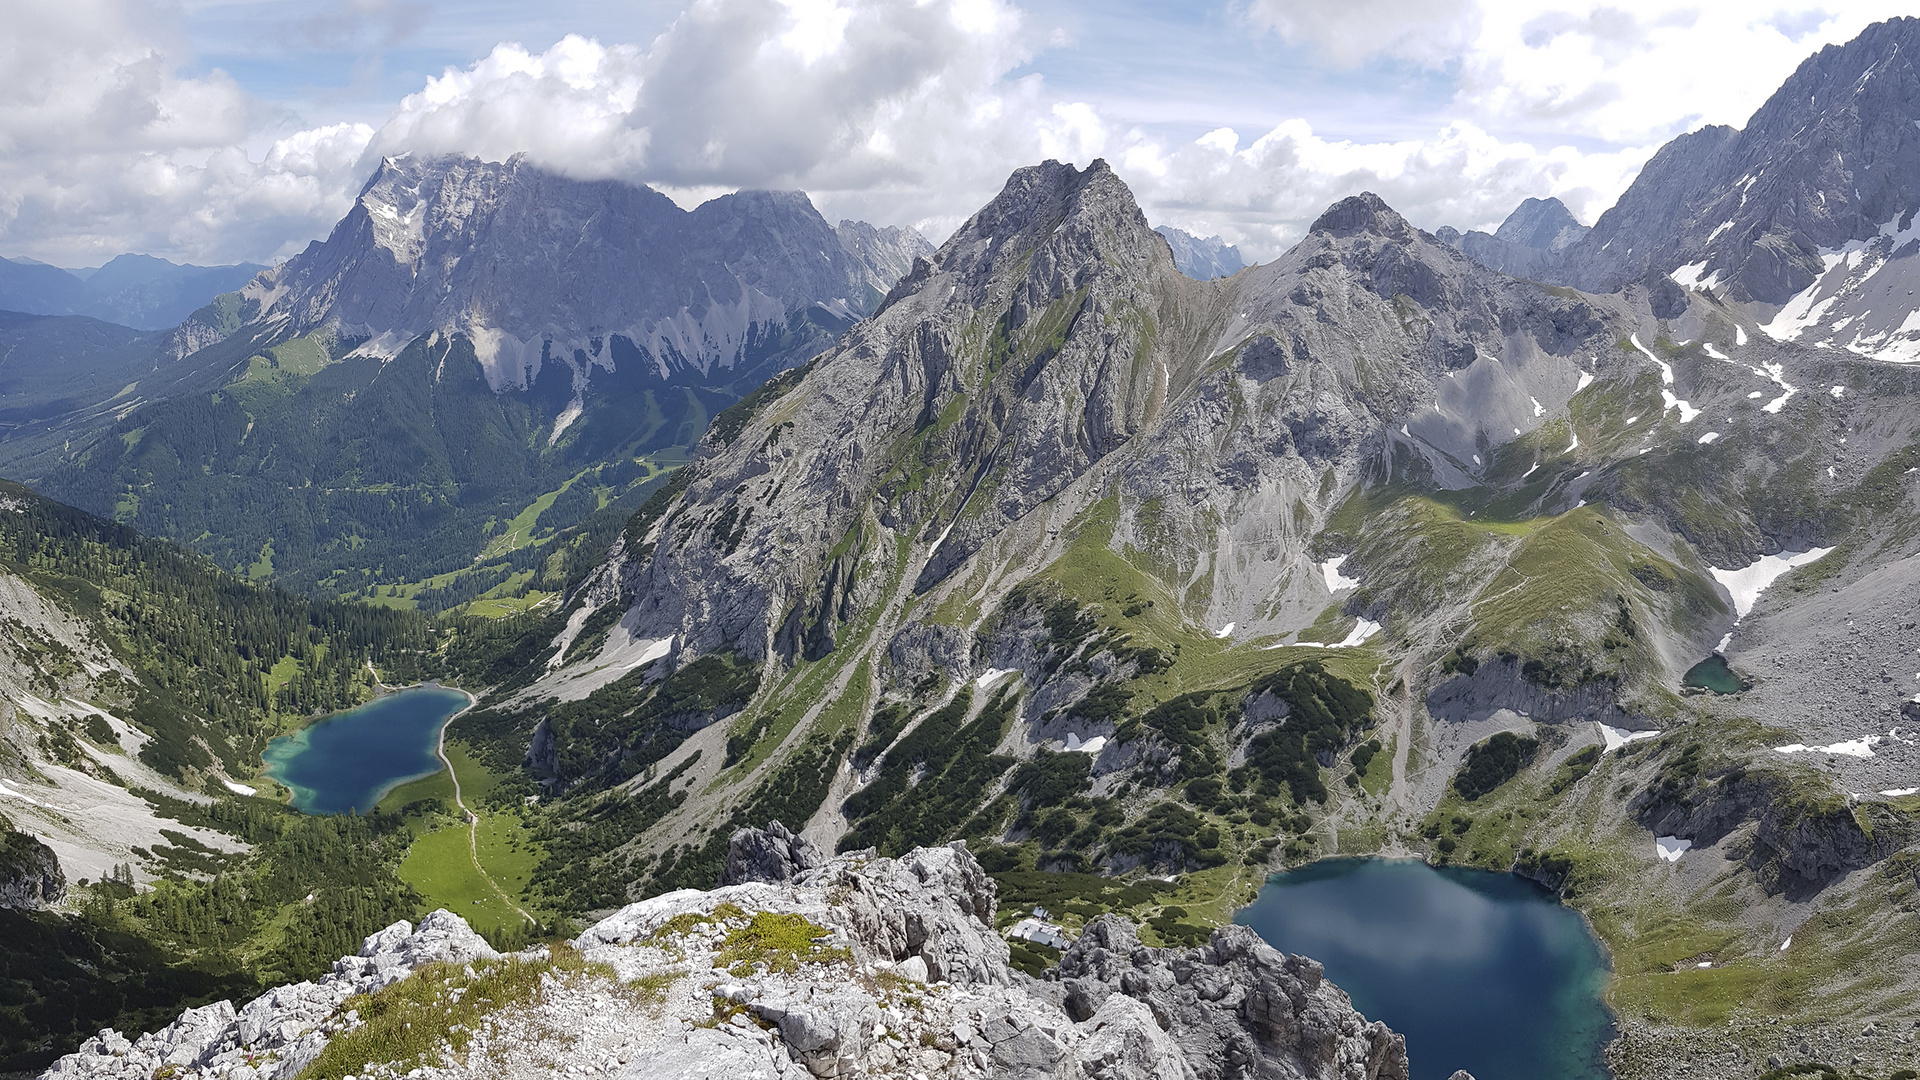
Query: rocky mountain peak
1544, 224
912, 980
1036, 194
1202, 258
1365, 212
1075, 222
996, 374
1527, 244
536, 267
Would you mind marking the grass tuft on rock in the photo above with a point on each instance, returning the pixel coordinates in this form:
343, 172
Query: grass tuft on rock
418, 1021
781, 941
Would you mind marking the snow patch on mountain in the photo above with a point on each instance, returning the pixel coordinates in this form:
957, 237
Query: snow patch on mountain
1747, 583
1330, 573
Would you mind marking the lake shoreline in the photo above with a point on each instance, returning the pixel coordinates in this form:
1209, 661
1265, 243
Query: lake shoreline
1380, 928
283, 750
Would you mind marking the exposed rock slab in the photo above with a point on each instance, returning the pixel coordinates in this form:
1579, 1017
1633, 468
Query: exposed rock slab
909, 979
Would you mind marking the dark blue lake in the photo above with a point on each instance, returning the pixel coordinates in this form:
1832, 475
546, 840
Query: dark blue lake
1480, 971
350, 760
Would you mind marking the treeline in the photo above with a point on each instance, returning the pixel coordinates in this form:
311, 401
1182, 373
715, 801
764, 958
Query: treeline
308, 893
366, 471
204, 646
334, 874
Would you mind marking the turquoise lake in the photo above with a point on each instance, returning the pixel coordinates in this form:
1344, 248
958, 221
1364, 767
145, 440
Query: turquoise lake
350, 760
1713, 674
1480, 971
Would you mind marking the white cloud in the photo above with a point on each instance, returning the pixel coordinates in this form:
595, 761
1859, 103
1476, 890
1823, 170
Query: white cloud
904, 107
909, 113
105, 147
1264, 197
1619, 71
1349, 31
898, 111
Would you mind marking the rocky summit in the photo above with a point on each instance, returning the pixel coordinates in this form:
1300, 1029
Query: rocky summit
539, 269
862, 966
898, 660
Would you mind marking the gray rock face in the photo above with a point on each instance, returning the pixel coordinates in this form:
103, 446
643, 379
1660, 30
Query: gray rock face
773, 854
1541, 224
30, 874
1527, 244
539, 269
1498, 684
1201, 258
1831, 157
1794, 848
279, 1033
823, 1031
887, 907
914, 983
1234, 1007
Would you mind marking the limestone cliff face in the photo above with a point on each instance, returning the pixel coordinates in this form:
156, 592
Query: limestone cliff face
899, 973
539, 269
996, 375
1831, 157
1528, 243
1050, 356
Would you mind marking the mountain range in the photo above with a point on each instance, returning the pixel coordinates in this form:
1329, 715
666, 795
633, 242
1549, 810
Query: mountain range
1804, 217
1067, 542
1058, 506
401, 407
1204, 258
139, 291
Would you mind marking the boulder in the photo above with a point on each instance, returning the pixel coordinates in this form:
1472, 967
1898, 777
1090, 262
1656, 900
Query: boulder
1231, 1001
773, 854
933, 903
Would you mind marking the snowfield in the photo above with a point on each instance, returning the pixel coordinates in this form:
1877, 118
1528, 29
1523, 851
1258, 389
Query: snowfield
1747, 583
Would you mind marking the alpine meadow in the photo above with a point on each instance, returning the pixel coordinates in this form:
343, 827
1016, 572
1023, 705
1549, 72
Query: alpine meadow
885, 539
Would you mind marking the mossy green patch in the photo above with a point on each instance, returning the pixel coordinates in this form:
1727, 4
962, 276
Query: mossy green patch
781, 941
440, 1008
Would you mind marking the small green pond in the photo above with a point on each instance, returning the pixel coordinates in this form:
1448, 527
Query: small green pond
1713, 674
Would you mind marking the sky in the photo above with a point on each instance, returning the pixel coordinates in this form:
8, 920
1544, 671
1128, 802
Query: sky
218, 131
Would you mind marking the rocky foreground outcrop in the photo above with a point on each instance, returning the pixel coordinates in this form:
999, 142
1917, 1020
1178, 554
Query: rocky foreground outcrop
278, 1034
862, 966
773, 854
30, 873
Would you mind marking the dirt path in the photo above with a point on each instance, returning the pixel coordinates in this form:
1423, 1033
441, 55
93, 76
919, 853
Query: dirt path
473, 819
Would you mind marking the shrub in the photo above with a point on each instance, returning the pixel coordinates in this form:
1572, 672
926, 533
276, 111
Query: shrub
1324, 712
1363, 755
1494, 762
1574, 769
